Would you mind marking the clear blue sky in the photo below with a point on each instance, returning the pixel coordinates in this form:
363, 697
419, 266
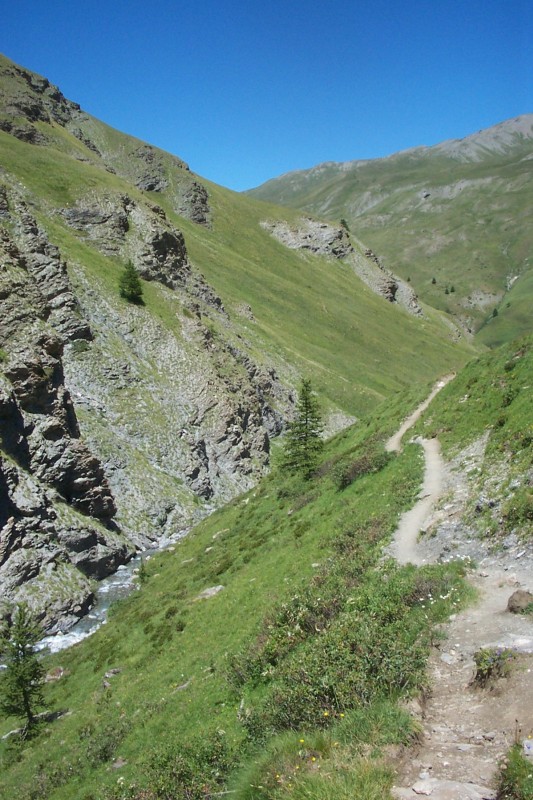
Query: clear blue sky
244, 91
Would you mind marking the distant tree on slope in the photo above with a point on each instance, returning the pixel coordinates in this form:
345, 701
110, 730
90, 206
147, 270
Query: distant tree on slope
130, 285
21, 682
303, 442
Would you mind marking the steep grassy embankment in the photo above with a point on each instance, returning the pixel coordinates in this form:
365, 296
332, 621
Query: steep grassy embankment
282, 679
492, 399
285, 679
311, 313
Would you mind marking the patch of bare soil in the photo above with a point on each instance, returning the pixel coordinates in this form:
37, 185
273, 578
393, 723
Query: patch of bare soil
466, 730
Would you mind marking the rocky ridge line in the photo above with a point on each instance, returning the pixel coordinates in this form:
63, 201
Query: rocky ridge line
30, 101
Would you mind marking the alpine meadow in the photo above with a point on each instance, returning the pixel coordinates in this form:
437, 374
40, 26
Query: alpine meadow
266, 469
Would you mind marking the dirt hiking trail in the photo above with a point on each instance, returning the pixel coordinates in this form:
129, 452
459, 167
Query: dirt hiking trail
465, 731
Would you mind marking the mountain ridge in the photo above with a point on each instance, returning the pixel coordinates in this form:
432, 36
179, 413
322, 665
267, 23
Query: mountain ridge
464, 147
452, 218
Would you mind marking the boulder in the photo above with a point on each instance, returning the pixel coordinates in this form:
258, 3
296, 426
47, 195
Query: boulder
519, 601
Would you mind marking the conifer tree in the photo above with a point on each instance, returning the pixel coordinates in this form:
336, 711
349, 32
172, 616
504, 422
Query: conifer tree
303, 442
21, 682
130, 284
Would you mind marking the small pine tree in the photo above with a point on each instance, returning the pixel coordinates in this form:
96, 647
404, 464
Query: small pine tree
446, 291
345, 224
22, 681
303, 442
433, 281
130, 285
452, 289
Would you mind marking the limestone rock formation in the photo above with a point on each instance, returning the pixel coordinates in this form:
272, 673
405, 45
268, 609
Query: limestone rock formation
193, 203
27, 100
121, 227
383, 282
326, 239
313, 235
37, 100
56, 516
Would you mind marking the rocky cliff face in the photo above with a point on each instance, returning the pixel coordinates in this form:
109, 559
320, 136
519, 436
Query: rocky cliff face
57, 528
114, 430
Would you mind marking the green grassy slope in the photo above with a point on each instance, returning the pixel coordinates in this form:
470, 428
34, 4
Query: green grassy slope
290, 673
292, 668
492, 397
311, 313
430, 215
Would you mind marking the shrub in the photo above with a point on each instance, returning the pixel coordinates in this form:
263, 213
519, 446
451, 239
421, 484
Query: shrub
374, 646
492, 663
366, 463
178, 771
518, 509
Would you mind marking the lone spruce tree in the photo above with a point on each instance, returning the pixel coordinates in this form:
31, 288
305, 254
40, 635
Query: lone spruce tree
130, 285
22, 681
303, 442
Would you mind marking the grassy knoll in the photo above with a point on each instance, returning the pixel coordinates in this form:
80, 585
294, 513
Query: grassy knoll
281, 683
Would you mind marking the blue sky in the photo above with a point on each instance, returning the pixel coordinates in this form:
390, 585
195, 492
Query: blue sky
244, 91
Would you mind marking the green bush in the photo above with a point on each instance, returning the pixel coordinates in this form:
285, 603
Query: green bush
492, 663
375, 646
366, 463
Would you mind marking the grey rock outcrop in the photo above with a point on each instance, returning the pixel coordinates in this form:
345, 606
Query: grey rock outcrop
519, 601
27, 100
152, 178
385, 283
57, 530
36, 99
193, 203
121, 227
318, 237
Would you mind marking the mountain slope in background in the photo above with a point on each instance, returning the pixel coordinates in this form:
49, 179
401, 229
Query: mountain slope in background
121, 424
455, 219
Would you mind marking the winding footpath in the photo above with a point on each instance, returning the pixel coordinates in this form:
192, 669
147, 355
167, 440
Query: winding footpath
404, 547
465, 732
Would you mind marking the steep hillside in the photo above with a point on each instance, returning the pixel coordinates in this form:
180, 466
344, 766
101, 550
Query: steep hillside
313, 636
454, 219
122, 424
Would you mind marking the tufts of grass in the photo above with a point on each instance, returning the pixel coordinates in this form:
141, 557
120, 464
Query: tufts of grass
515, 781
